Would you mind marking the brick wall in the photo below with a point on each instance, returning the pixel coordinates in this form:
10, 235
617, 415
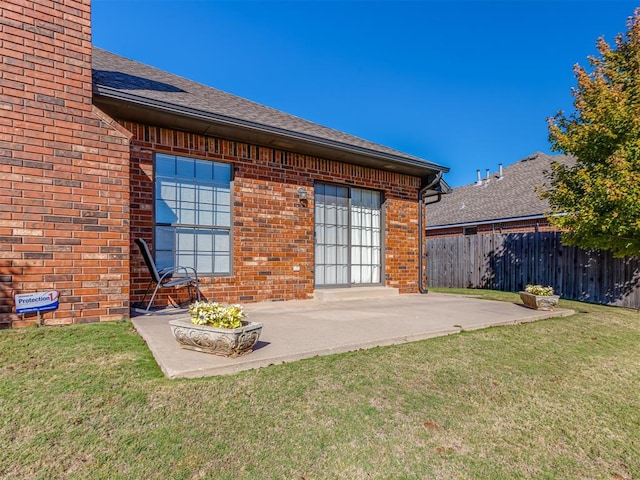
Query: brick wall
64, 169
273, 229
522, 226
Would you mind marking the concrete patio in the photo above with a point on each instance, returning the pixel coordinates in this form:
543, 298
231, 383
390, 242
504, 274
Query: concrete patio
301, 329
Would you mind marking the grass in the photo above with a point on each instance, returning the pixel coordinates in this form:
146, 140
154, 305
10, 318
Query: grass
555, 399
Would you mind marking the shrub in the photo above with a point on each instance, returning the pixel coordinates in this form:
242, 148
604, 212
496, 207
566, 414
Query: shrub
216, 315
539, 290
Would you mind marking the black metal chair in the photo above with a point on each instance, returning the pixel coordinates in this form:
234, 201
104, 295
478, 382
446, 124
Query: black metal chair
164, 278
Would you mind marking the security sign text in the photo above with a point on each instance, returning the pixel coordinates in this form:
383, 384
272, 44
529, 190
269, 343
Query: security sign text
37, 302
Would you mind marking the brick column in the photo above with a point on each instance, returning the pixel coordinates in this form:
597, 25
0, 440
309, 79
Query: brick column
64, 169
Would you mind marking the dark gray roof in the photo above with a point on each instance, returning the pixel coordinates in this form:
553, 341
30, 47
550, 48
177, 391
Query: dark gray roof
513, 196
125, 89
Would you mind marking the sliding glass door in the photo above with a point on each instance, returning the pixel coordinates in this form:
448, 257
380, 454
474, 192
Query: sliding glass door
348, 236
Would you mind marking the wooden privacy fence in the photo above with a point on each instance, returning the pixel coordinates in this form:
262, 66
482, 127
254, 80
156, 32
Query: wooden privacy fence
510, 261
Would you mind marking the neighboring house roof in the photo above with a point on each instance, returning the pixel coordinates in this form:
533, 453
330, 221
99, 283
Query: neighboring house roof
514, 196
135, 91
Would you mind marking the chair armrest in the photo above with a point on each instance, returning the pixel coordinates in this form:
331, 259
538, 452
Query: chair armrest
169, 271
186, 270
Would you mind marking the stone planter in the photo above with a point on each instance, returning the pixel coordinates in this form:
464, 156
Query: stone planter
539, 302
219, 341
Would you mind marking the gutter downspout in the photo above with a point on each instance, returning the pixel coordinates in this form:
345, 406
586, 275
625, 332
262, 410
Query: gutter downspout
421, 234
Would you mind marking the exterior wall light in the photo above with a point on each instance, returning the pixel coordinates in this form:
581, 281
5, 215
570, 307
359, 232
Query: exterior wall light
302, 193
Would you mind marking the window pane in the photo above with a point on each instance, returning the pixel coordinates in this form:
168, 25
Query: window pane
331, 254
366, 274
356, 217
222, 195
356, 237
343, 235
204, 263
376, 219
222, 264
187, 217
164, 259
331, 216
330, 274
343, 256
355, 274
187, 193
221, 241
205, 195
320, 234
222, 173
355, 255
330, 234
185, 240
165, 238
343, 215
186, 260
204, 170
185, 167
166, 190
342, 276
223, 219
356, 196
205, 241
375, 274
165, 165
205, 217
165, 212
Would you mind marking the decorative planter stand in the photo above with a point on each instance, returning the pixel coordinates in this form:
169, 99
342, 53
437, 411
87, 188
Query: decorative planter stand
219, 341
539, 302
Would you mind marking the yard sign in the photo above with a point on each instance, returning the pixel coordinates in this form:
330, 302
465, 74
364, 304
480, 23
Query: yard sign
37, 302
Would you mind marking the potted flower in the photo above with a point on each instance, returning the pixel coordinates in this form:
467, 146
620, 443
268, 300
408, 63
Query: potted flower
539, 297
218, 329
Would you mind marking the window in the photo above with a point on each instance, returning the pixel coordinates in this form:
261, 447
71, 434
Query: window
193, 214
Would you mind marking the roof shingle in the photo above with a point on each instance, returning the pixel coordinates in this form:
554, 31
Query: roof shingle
513, 196
115, 74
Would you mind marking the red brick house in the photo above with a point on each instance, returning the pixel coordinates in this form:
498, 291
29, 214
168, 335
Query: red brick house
506, 201
97, 150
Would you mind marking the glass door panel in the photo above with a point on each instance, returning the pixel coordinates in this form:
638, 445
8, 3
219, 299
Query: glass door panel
331, 235
365, 236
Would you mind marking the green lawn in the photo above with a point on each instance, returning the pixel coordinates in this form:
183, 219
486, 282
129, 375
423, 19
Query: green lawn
555, 399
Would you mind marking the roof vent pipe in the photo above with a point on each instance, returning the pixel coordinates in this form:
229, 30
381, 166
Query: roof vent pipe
500, 171
479, 181
487, 174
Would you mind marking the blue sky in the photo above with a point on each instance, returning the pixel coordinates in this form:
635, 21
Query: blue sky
466, 84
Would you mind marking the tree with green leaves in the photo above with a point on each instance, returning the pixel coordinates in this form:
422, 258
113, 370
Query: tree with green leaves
596, 202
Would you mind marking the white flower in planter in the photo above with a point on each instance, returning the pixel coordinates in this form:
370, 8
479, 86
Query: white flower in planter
539, 290
216, 315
